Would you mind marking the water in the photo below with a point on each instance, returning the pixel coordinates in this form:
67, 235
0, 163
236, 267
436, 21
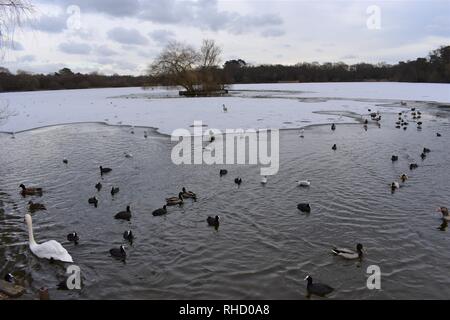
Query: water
264, 247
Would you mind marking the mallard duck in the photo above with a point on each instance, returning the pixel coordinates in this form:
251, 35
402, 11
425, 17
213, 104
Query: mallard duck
444, 212
93, 201
104, 170
188, 194
160, 212
223, 172
413, 166
65, 161
404, 177
114, 190
98, 186
304, 183
304, 207
238, 181
119, 253
423, 156
426, 150
213, 222
333, 127
73, 237
438, 135
124, 215
334, 147
31, 191
173, 201
33, 207
348, 253
318, 289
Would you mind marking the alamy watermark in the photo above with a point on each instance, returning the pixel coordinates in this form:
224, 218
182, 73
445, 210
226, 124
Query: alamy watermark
374, 20
234, 146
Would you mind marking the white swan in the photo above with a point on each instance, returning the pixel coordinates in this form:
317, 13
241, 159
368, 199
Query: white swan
47, 250
304, 183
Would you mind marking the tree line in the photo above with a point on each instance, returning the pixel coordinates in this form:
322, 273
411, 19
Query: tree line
201, 72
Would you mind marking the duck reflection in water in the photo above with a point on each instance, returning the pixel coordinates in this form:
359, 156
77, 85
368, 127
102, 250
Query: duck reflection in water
444, 225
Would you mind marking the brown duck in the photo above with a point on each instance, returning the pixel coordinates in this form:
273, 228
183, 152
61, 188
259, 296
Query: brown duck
30, 191
33, 207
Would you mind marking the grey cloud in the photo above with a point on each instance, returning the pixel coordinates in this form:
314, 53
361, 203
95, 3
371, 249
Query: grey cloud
26, 58
105, 51
14, 45
162, 36
349, 57
50, 24
127, 36
75, 48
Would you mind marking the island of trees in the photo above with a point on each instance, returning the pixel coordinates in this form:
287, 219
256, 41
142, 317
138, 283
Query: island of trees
199, 72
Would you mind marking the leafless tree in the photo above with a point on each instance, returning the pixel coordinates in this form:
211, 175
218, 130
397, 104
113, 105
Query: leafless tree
180, 64
5, 112
12, 14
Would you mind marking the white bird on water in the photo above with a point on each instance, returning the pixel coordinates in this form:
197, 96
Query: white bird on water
51, 250
264, 180
304, 183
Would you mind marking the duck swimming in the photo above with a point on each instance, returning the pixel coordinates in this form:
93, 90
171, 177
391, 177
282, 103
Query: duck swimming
426, 150
238, 181
30, 191
334, 147
438, 135
223, 172
404, 177
413, 166
119, 253
304, 207
124, 215
444, 212
128, 235
333, 127
104, 170
348, 253
188, 194
73, 237
114, 190
65, 161
98, 186
264, 180
173, 201
33, 207
160, 212
213, 222
395, 185
304, 183
93, 201
318, 289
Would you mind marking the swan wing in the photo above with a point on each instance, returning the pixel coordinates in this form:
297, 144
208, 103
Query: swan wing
51, 249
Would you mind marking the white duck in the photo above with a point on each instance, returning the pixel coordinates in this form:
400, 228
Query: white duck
304, 183
51, 250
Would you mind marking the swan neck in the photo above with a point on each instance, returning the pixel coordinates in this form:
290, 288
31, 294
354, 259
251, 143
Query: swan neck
30, 232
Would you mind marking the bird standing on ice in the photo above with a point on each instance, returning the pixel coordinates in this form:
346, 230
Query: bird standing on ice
51, 250
225, 109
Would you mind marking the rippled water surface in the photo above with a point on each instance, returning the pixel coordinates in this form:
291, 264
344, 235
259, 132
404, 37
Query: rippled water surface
264, 246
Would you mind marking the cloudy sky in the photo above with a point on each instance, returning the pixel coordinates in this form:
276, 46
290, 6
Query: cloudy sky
123, 36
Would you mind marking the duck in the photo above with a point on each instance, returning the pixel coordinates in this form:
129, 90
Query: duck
213, 222
51, 250
348, 253
394, 158
423, 155
225, 109
238, 181
114, 190
438, 134
413, 166
33, 207
160, 212
124, 215
65, 161
333, 127
128, 235
426, 150
128, 155
9, 278
403, 103
403, 177
31, 191
395, 185
173, 201
304, 183
98, 186
145, 134
444, 212
93, 201
119, 253
223, 172
264, 180
104, 170
304, 207
302, 133
188, 194
73, 237
318, 289
334, 147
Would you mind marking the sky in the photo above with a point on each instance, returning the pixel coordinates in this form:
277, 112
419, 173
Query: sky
124, 36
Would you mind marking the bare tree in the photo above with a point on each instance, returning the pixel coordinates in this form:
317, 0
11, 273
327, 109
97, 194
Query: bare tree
12, 13
182, 65
5, 112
